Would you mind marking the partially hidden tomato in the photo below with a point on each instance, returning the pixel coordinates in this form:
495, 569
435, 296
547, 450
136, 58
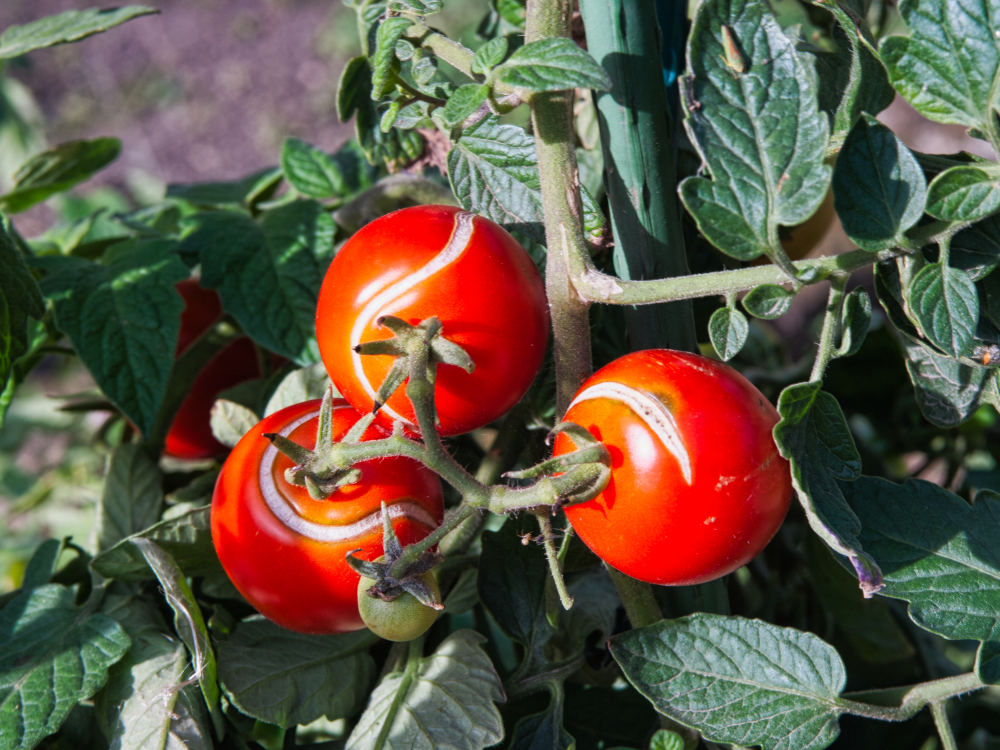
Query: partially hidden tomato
284, 551
697, 485
436, 261
402, 619
190, 435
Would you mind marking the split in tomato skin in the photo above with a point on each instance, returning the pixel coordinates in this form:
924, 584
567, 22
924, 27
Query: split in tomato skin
285, 552
436, 261
697, 485
190, 436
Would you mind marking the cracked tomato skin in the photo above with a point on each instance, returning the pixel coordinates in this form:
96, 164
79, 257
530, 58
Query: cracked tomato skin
436, 261
697, 486
284, 551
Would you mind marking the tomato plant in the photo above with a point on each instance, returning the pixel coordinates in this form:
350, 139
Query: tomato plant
436, 261
285, 551
402, 619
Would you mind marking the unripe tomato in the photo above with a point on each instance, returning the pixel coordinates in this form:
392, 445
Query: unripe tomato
284, 551
436, 261
697, 486
400, 620
190, 435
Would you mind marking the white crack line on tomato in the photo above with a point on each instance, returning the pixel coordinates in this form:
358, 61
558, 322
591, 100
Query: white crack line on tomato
650, 410
320, 532
458, 243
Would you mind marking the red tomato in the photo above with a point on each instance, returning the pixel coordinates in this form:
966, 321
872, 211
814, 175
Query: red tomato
284, 551
697, 485
190, 435
436, 261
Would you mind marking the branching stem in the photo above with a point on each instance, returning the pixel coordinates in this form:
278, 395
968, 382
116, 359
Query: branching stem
831, 325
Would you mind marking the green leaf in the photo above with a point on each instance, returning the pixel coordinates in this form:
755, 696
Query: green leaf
131, 495
389, 32
760, 132
123, 318
946, 306
245, 191
58, 169
187, 538
768, 301
489, 55
300, 385
855, 319
937, 553
188, 622
287, 678
813, 435
268, 274
231, 421
741, 681
965, 193
513, 12
552, 65
311, 171
448, 701
595, 606
420, 7
728, 329
20, 299
464, 102
543, 730
664, 740
947, 391
42, 564
976, 249
52, 656
879, 188
71, 26
948, 67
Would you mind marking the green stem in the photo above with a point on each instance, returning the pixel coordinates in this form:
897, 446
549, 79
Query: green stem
637, 598
453, 53
552, 555
831, 325
902, 703
412, 552
940, 713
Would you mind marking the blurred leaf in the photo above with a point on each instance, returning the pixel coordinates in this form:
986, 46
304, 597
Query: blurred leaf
123, 318
300, 385
490, 55
20, 299
58, 169
52, 656
512, 11
759, 131
601, 718
855, 319
231, 421
813, 435
946, 305
965, 193
71, 26
287, 678
728, 329
420, 7
42, 564
131, 495
664, 740
464, 595
947, 391
221, 194
938, 553
268, 274
464, 102
879, 188
741, 681
595, 605
552, 65
447, 701
768, 301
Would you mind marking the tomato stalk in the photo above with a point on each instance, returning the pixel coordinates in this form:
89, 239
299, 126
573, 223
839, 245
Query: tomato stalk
831, 325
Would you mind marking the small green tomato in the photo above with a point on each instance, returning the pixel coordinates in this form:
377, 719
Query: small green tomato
400, 620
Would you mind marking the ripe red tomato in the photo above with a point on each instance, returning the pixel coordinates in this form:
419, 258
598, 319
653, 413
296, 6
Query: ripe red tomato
284, 551
697, 485
436, 261
190, 435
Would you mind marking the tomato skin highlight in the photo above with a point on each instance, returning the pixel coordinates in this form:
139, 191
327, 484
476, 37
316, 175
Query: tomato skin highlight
695, 499
301, 582
436, 261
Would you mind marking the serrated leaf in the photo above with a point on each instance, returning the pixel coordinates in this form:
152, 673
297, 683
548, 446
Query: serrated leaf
760, 132
728, 329
946, 306
52, 656
420, 7
489, 55
449, 701
58, 169
948, 67
131, 495
221, 194
965, 193
188, 622
464, 102
20, 299
768, 301
187, 538
287, 678
879, 188
310, 170
123, 318
389, 32
741, 681
71, 26
552, 64
231, 421
947, 391
937, 553
268, 274
855, 319
813, 435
